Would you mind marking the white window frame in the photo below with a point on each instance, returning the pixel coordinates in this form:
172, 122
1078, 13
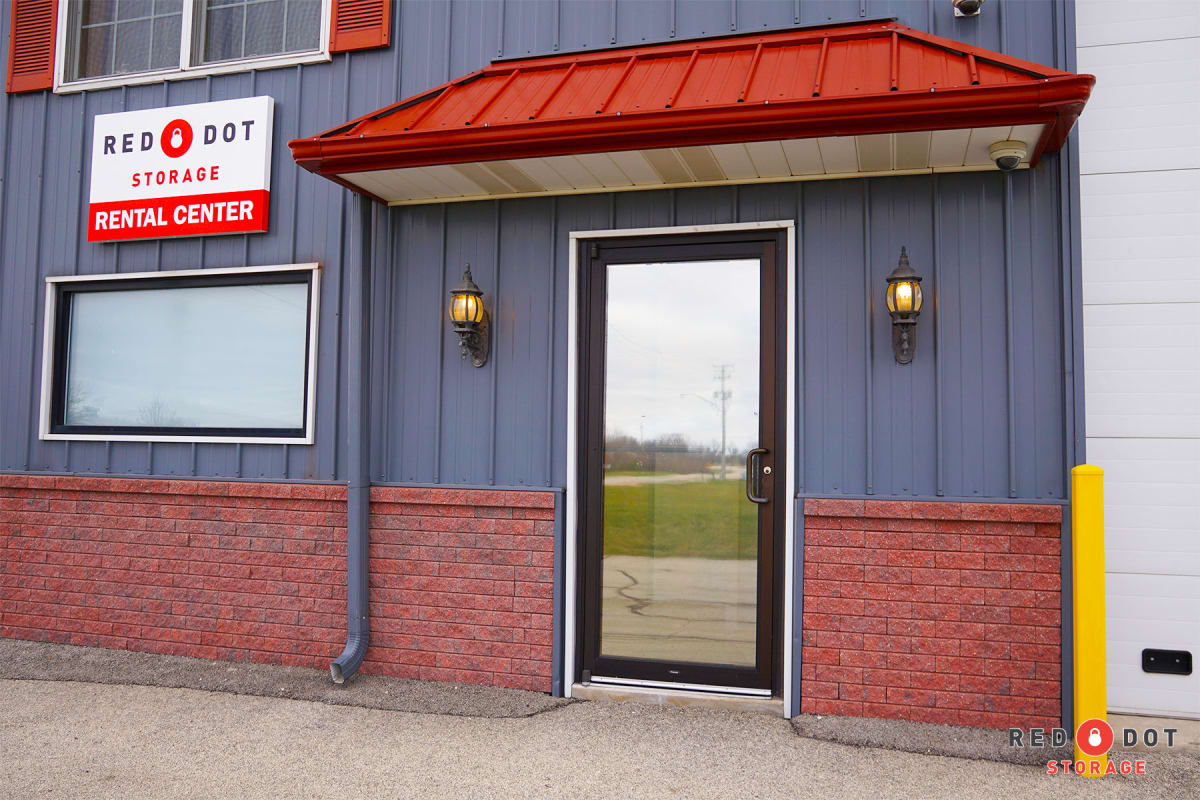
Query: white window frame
50, 326
186, 70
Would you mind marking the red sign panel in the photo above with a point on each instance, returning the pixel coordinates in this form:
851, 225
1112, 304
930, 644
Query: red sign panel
192, 215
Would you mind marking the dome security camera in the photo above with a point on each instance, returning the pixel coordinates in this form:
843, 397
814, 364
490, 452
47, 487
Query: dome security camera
967, 8
1008, 155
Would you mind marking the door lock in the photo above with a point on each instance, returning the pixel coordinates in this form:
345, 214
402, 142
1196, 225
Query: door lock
766, 470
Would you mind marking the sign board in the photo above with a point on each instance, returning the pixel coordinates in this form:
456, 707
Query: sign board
192, 170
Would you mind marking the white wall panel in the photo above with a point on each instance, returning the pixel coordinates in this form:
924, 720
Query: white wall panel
1145, 109
1140, 208
1152, 504
1141, 237
1142, 375
1100, 22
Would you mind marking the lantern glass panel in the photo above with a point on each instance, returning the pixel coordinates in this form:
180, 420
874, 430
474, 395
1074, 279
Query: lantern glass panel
466, 309
904, 297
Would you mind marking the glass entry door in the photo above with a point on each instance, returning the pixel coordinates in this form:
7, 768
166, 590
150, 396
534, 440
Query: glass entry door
681, 466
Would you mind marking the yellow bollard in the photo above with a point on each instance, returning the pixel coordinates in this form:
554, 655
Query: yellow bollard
1087, 565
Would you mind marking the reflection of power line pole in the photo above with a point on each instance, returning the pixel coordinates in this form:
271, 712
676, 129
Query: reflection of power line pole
720, 401
722, 372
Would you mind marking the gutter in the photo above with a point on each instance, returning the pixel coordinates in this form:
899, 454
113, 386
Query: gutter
358, 494
1055, 102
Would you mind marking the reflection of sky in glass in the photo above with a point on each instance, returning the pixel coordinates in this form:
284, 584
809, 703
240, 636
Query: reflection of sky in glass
211, 357
670, 326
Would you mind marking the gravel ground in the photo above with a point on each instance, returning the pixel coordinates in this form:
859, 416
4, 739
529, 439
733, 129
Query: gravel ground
58, 662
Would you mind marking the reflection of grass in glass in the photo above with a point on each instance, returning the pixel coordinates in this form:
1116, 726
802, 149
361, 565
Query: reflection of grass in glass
709, 519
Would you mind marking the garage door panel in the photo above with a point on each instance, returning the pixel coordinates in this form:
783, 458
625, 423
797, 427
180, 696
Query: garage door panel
1141, 373
1152, 611
1148, 559
1138, 116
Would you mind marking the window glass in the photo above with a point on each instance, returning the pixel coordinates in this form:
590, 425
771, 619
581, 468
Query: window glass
249, 28
113, 37
120, 37
227, 357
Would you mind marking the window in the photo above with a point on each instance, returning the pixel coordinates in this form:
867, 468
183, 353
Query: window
106, 38
222, 355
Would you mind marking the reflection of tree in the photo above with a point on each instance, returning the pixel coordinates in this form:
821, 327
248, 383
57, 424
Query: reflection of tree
157, 414
80, 410
671, 452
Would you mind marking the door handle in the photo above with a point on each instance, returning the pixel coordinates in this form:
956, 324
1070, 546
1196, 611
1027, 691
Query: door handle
752, 459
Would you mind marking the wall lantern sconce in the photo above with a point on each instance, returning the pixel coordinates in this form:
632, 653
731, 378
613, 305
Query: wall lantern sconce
904, 304
470, 319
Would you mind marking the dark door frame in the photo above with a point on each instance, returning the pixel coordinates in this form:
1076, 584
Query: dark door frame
771, 245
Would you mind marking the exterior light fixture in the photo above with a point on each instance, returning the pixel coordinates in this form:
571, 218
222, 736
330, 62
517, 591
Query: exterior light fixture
470, 319
904, 304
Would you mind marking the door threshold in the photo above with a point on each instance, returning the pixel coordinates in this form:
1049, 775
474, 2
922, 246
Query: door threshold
672, 686
662, 696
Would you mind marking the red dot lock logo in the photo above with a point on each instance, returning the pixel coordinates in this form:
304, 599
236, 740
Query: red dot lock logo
1094, 737
176, 138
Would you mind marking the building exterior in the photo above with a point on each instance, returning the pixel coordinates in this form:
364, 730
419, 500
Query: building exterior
1140, 201
706, 435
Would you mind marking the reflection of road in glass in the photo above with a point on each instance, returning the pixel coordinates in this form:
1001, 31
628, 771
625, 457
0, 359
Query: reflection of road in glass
679, 609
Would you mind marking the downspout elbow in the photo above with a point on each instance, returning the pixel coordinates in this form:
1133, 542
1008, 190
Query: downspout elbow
351, 658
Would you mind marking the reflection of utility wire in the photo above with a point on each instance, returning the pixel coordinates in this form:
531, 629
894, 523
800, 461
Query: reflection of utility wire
277, 298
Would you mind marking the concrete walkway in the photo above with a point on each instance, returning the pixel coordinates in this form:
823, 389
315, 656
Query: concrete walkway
69, 739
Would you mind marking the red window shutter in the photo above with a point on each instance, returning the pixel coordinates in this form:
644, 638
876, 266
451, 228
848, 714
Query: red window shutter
31, 45
360, 24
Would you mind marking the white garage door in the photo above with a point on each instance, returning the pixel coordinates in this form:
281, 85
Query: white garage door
1140, 182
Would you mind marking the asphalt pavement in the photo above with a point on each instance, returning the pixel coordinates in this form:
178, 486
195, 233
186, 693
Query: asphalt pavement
68, 738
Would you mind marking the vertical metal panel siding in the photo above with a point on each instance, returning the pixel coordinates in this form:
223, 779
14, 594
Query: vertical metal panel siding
436, 416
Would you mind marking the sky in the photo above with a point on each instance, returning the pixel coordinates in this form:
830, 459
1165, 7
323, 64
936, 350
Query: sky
670, 325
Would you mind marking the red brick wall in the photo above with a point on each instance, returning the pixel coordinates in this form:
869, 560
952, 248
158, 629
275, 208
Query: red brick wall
257, 572
933, 612
461, 585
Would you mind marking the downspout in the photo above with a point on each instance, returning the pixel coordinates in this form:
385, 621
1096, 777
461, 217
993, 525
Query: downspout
358, 493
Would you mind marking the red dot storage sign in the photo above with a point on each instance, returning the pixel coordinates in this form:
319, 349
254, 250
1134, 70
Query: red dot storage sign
193, 170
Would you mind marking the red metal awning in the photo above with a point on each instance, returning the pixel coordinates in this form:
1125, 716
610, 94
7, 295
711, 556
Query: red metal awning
498, 131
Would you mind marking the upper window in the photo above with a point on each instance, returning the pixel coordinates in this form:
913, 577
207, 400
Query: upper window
192, 356
106, 38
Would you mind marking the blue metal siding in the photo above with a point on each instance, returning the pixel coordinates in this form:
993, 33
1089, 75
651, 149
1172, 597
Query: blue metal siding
939, 427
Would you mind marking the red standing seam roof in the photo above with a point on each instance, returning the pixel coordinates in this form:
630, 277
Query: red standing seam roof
841, 80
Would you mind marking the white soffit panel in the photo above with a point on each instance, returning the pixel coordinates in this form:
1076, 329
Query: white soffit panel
804, 156
949, 148
735, 161
676, 167
839, 154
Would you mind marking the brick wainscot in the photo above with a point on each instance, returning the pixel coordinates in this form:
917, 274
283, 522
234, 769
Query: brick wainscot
460, 579
933, 611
